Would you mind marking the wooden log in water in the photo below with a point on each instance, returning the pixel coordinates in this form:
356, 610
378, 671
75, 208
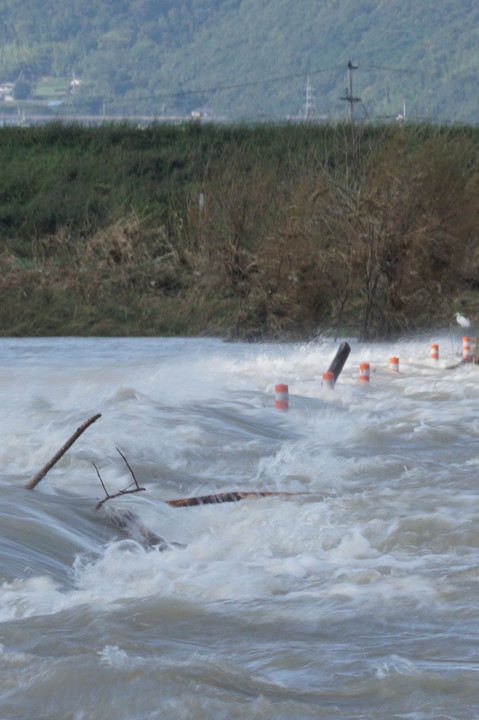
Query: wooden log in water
234, 496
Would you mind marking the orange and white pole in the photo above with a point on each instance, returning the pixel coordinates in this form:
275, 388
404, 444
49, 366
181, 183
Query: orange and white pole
282, 396
328, 379
434, 351
364, 370
394, 364
466, 348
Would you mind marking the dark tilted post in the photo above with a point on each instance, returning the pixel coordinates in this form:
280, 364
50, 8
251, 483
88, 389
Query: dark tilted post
339, 360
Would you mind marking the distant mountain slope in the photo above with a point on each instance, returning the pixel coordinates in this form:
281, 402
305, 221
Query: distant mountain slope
244, 58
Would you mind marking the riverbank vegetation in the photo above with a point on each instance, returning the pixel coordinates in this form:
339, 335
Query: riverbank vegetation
265, 231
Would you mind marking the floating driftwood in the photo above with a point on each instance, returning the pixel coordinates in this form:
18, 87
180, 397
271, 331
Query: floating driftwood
226, 497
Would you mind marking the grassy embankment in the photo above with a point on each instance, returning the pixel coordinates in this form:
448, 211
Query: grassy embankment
372, 231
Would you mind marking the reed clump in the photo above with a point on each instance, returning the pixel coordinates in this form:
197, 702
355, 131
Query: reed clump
248, 232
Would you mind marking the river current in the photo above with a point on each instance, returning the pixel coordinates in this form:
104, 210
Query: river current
356, 598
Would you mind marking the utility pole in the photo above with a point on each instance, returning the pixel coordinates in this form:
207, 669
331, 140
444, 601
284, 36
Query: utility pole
348, 96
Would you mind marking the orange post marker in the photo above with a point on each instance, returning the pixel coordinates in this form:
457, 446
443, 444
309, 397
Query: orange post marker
282, 397
364, 370
394, 364
328, 379
434, 351
466, 347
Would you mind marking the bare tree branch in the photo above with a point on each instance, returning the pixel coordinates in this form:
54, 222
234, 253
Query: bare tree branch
129, 468
120, 493
36, 478
100, 479
125, 491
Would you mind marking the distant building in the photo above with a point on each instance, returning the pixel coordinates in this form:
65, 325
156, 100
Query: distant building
202, 114
6, 91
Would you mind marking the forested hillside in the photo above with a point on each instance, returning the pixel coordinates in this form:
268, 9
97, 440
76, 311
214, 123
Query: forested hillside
242, 58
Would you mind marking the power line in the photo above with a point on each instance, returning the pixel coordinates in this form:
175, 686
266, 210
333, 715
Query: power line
235, 86
406, 71
266, 81
282, 78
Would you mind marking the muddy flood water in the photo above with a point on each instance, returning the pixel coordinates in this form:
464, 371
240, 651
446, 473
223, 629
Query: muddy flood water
357, 597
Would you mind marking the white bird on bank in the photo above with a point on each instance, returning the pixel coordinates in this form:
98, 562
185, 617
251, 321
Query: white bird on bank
462, 321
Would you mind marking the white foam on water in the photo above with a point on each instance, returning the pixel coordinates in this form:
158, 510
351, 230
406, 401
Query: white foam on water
258, 549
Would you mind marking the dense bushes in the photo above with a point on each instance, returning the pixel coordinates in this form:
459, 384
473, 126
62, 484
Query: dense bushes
264, 231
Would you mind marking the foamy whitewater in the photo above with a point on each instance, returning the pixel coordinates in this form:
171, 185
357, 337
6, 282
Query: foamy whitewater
357, 598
